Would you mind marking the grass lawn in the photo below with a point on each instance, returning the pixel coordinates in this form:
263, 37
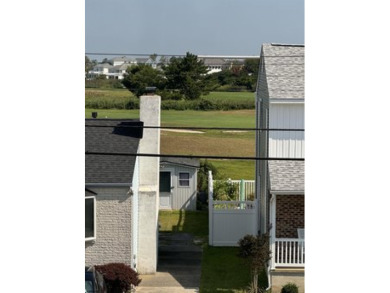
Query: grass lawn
222, 269
212, 142
195, 223
237, 118
232, 96
235, 169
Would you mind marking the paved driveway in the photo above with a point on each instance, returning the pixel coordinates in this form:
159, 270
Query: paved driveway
179, 266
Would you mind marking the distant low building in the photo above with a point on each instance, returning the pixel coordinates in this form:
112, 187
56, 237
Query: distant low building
114, 68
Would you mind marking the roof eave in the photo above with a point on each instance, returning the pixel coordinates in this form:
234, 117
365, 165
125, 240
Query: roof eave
287, 192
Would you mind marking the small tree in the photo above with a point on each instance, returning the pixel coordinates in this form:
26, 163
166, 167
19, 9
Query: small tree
256, 250
139, 77
205, 167
188, 75
119, 277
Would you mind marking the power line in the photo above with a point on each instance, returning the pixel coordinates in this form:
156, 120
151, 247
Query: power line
193, 156
190, 127
174, 55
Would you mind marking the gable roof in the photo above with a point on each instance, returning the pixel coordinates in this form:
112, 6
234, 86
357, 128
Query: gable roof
287, 176
284, 70
110, 139
195, 163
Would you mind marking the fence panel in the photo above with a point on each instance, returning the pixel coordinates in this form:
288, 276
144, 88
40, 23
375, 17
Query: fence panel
229, 221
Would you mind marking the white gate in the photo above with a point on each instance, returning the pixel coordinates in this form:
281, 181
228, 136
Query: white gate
229, 221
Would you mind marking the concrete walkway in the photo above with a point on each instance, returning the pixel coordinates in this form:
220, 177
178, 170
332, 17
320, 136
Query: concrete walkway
179, 266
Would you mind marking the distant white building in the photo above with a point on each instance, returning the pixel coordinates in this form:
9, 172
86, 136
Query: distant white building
113, 69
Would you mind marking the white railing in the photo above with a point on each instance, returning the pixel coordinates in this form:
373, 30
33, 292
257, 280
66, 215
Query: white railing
288, 252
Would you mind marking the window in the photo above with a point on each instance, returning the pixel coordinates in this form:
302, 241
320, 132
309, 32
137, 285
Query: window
90, 219
184, 179
165, 181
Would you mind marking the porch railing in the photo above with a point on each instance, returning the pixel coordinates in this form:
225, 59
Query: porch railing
288, 252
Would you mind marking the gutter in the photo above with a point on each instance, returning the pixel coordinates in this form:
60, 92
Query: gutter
108, 184
291, 192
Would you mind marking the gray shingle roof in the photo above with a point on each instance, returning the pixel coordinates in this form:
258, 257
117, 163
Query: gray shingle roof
286, 176
110, 169
181, 161
213, 61
285, 70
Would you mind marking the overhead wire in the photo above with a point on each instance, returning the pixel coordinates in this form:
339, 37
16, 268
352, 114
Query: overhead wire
189, 127
194, 156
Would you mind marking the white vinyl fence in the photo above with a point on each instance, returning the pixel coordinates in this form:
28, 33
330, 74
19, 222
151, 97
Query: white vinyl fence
229, 221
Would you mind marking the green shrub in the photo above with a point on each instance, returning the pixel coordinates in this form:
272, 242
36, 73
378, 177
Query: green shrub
170, 95
231, 88
119, 277
289, 288
104, 83
203, 173
225, 190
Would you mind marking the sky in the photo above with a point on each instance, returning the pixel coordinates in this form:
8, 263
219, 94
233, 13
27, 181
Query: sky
202, 27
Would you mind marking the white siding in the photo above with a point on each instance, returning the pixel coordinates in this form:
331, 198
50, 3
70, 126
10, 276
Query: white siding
134, 215
287, 144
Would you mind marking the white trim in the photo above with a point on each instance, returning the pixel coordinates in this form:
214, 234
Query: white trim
178, 179
94, 219
273, 228
289, 192
108, 184
286, 101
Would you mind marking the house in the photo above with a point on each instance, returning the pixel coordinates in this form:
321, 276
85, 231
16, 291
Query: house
121, 191
214, 64
280, 99
114, 68
178, 183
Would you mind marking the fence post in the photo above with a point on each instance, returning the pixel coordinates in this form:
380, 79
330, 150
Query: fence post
211, 188
242, 192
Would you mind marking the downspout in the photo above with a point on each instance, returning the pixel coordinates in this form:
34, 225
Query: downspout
268, 268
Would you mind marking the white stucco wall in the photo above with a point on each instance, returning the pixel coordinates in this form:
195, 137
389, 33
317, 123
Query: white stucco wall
148, 195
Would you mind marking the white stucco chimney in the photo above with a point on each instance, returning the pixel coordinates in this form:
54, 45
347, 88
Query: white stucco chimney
148, 196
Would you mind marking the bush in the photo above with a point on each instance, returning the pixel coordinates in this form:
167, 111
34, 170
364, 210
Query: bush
104, 83
225, 190
119, 277
170, 95
203, 179
289, 288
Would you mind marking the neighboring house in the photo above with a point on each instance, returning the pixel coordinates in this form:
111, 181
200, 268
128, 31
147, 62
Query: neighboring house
178, 183
214, 64
122, 60
99, 69
113, 69
111, 188
120, 189
280, 184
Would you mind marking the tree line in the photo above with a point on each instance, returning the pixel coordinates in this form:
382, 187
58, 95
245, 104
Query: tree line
186, 78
